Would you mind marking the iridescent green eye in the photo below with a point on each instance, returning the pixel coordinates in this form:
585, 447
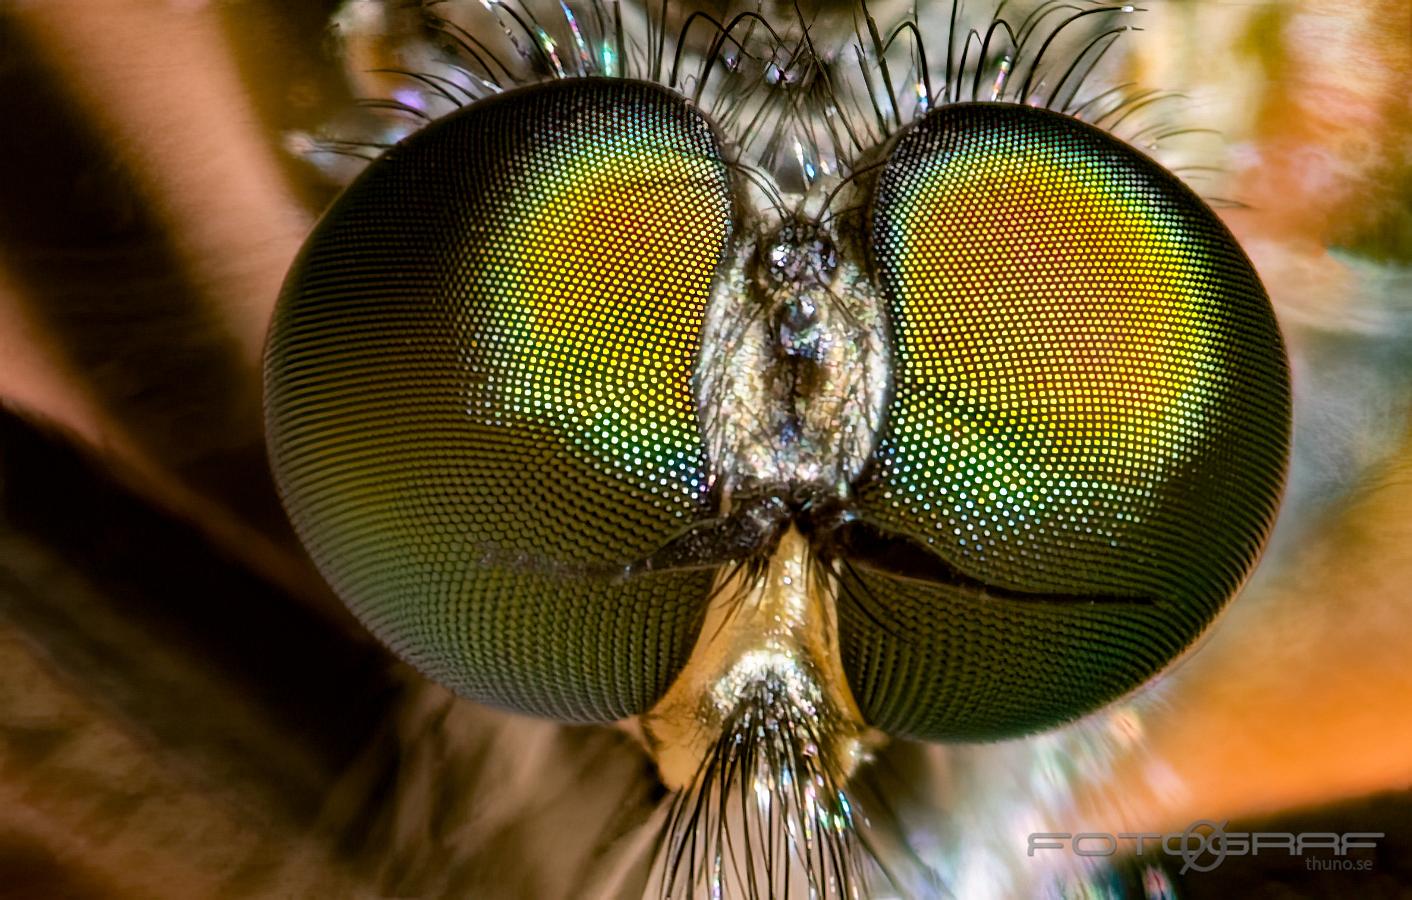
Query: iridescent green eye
1087, 432
479, 399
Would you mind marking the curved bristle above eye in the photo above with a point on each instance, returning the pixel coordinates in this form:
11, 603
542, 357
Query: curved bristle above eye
802, 94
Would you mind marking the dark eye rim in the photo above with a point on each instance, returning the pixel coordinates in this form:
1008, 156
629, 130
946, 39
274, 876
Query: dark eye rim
574, 83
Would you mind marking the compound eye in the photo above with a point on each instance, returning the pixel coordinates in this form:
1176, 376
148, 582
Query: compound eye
1087, 435
478, 392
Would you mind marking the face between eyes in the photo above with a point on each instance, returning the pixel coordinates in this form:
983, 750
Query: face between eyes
960, 449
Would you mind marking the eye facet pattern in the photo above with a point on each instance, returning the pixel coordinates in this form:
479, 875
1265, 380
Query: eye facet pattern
1090, 413
486, 396
478, 392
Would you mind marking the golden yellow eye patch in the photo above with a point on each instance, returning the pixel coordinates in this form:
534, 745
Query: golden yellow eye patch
1109, 278
602, 272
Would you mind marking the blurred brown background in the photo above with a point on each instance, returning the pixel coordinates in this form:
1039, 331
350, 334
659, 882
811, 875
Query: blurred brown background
180, 695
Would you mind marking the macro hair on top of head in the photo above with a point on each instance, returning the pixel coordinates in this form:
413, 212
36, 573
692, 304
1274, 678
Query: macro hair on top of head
806, 92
